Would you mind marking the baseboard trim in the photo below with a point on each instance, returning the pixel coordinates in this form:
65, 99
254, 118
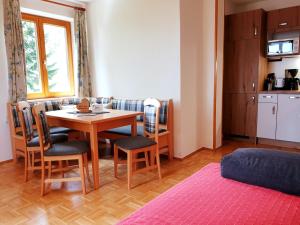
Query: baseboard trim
277, 143
6, 161
189, 155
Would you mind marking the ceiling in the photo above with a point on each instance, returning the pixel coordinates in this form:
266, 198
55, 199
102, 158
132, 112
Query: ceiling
240, 2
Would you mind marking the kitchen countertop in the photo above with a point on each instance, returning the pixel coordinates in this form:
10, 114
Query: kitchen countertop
280, 92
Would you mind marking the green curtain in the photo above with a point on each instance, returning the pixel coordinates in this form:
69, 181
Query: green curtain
15, 50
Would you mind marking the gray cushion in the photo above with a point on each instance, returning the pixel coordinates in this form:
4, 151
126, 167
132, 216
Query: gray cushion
273, 169
55, 138
58, 130
68, 148
137, 142
126, 130
53, 130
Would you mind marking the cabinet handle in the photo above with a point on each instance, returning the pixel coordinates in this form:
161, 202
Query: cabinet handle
253, 98
274, 110
294, 97
255, 31
253, 86
267, 96
283, 24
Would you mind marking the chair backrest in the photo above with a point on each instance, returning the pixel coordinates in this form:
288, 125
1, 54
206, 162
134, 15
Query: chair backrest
39, 113
13, 118
26, 120
151, 117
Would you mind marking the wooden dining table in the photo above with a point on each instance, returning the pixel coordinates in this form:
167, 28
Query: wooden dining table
93, 124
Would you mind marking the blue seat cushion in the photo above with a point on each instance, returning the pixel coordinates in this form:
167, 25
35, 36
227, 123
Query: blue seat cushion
55, 138
137, 142
126, 130
273, 169
68, 148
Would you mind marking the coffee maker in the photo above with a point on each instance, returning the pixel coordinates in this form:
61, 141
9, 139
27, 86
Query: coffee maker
290, 81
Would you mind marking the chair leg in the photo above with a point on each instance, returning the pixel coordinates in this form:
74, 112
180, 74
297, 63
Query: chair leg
60, 165
170, 148
26, 166
81, 169
116, 160
158, 161
147, 159
86, 163
129, 168
43, 179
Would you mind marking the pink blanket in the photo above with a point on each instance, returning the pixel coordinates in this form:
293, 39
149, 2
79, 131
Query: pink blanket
208, 198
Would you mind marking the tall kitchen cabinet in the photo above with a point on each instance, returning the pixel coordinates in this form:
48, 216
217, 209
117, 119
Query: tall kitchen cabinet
245, 67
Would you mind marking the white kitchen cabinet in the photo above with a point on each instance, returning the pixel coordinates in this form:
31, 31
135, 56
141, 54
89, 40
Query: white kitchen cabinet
288, 118
266, 117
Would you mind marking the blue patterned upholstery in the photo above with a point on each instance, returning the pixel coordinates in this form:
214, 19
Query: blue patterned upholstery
138, 105
71, 101
103, 100
150, 117
16, 119
28, 123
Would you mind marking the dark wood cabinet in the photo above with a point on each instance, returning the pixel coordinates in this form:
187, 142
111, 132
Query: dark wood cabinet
283, 19
244, 71
240, 114
245, 25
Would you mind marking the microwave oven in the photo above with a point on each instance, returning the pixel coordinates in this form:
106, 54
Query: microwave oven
283, 47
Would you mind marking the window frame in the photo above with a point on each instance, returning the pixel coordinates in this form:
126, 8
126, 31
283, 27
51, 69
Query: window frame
39, 23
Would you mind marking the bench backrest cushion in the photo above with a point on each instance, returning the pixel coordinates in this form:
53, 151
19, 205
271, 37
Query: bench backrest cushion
16, 119
138, 105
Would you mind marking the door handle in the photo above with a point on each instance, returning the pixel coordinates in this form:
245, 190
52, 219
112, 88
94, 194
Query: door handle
253, 86
283, 24
294, 97
267, 96
274, 110
255, 31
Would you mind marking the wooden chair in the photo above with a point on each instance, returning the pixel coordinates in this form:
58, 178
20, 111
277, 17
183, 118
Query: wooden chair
71, 150
17, 142
30, 139
148, 143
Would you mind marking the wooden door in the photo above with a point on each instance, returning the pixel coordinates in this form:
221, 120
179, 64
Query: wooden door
233, 76
249, 66
240, 114
246, 25
273, 20
251, 115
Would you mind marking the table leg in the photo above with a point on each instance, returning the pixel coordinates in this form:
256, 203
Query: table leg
134, 127
95, 157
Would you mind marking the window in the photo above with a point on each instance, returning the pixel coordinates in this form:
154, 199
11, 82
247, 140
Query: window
49, 57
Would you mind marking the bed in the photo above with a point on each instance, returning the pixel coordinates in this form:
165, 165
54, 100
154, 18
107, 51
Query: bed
208, 198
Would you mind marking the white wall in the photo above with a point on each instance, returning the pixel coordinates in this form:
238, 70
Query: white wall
287, 63
134, 49
5, 147
163, 49
191, 71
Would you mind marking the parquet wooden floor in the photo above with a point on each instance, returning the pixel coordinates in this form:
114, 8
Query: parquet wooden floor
20, 203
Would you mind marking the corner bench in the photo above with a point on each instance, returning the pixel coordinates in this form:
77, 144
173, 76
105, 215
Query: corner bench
165, 123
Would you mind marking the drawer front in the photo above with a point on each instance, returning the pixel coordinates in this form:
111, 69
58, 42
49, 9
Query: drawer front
267, 98
288, 118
